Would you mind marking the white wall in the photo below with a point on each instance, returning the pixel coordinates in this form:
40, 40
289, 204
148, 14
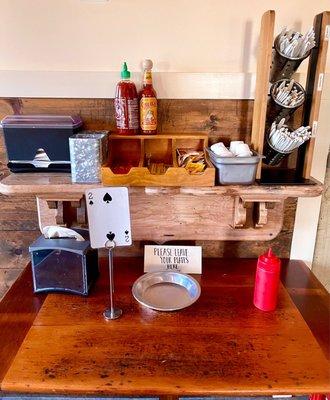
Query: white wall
179, 35
201, 49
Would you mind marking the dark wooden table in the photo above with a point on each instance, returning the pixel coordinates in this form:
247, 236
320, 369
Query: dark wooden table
221, 345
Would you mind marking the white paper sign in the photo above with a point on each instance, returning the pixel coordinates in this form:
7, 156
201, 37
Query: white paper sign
186, 259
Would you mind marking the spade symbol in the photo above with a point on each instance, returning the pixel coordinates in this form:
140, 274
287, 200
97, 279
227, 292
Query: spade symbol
111, 236
91, 202
126, 232
107, 198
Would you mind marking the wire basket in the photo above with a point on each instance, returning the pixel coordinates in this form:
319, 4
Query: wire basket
273, 156
276, 110
283, 67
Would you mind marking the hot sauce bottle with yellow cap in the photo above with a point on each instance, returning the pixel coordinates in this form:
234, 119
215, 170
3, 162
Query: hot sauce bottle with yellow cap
148, 102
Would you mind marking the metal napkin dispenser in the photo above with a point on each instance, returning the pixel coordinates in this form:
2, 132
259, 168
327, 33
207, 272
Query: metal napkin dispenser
63, 264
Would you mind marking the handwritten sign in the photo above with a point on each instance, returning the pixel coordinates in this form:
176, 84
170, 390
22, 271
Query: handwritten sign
186, 259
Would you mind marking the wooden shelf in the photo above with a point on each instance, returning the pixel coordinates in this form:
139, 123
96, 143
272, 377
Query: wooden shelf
59, 185
167, 135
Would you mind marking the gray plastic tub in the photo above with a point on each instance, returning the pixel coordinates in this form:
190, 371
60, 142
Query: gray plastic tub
235, 170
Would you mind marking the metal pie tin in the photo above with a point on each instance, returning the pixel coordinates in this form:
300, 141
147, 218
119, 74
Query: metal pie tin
166, 290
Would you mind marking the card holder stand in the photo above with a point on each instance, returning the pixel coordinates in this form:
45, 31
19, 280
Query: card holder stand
111, 312
151, 160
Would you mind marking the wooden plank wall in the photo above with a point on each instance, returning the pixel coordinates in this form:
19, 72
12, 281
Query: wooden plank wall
321, 264
221, 119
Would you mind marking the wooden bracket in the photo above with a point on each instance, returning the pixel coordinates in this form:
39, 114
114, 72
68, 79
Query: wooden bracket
81, 212
239, 213
51, 211
260, 205
261, 214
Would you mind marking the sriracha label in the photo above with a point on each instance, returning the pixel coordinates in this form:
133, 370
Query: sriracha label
127, 113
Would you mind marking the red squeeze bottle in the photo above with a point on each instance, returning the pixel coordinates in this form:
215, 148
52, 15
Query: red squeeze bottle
267, 281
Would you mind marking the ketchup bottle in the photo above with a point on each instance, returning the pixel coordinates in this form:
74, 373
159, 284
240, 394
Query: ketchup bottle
148, 102
126, 105
267, 281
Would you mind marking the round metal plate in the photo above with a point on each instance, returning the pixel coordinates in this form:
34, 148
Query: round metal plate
166, 290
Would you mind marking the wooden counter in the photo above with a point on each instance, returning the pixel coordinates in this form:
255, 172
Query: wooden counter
221, 345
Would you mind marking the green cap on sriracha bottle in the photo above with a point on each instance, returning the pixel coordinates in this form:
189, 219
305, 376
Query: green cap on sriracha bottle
125, 74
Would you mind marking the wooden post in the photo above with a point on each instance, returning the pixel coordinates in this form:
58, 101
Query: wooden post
262, 82
314, 86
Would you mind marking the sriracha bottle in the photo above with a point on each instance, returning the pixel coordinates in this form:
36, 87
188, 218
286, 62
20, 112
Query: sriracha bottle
148, 102
267, 281
126, 105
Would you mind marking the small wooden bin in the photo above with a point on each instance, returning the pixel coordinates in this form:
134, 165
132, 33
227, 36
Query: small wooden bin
130, 158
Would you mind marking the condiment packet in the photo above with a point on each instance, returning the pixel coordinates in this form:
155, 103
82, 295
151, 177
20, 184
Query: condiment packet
192, 160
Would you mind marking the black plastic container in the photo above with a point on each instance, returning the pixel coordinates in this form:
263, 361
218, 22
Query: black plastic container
63, 265
39, 142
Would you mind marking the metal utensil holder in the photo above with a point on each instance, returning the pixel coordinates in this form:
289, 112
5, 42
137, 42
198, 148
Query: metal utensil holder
283, 66
273, 156
276, 110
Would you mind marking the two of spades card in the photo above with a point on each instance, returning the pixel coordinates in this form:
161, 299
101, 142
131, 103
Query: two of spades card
108, 216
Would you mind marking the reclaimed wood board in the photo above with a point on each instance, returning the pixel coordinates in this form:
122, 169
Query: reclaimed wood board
220, 119
163, 214
314, 86
221, 345
58, 186
254, 248
262, 83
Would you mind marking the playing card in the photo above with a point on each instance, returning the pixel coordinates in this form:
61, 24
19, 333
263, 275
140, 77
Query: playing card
108, 216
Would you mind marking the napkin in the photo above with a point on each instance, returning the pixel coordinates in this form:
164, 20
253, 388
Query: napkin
51, 232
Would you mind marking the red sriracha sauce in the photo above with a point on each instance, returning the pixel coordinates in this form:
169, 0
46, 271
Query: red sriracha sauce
267, 281
126, 105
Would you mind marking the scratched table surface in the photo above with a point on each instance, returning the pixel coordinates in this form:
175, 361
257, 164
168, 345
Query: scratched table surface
221, 345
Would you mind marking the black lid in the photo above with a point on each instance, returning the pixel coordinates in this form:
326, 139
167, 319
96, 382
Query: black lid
42, 121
